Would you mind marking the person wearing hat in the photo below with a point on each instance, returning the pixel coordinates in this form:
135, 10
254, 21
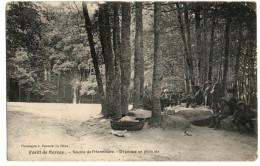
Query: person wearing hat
222, 112
207, 97
232, 102
242, 116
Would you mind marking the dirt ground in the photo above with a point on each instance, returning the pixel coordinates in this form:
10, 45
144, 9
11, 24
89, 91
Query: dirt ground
67, 132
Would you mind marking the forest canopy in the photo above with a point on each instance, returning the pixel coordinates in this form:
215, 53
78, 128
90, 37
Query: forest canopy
94, 52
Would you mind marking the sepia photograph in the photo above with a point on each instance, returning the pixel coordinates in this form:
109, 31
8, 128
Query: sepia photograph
131, 81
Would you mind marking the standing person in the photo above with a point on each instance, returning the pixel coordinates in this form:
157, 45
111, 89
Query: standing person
222, 112
242, 116
207, 96
198, 97
232, 102
173, 99
180, 96
215, 94
147, 104
164, 99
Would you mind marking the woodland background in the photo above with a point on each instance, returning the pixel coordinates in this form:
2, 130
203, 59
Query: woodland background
135, 46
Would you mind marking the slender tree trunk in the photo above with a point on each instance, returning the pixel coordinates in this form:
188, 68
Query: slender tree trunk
58, 91
211, 47
251, 71
185, 48
74, 95
105, 39
28, 96
204, 58
88, 27
198, 42
138, 57
8, 88
240, 33
20, 91
116, 46
186, 77
220, 68
189, 60
157, 70
226, 55
125, 56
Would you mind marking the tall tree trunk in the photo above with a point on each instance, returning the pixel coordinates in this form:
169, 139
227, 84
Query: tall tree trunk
185, 49
116, 46
74, 95
138, 57
198, 41
28, 98
240, 33
204, 58
125, 56
88, 27
189, 60
58, 88
186, 77
226, 55
8, 88
105, 39
220, 71
157, 70
211, 47
20, 91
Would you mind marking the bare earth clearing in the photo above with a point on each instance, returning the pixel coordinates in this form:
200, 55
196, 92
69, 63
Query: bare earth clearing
76, 130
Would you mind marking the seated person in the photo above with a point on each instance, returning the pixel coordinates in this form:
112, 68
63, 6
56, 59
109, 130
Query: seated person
198, 98
232, 102
242, 116
222, 112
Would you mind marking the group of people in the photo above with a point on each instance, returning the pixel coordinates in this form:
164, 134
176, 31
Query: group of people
210, 96
227, 106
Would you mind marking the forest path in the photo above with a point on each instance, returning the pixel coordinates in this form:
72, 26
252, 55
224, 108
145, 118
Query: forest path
90, 139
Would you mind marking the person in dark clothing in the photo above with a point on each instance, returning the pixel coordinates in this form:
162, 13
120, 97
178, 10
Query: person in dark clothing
198, 98
242, 116
179, 97
165, 98
173, 99
215, 94
232, 102
189, 99
207, 96
147, 104
222, 112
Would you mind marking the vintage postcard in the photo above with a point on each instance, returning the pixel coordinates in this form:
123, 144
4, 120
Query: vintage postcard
131, 81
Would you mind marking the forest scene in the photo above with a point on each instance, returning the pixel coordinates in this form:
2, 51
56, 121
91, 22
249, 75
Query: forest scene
173, 66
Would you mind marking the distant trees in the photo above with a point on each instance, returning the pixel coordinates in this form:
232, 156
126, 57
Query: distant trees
24, 51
